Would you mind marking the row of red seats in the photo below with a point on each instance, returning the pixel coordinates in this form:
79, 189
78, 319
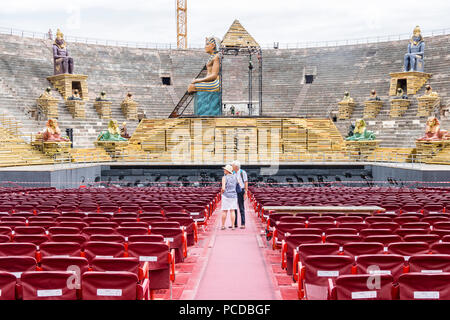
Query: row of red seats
318, 273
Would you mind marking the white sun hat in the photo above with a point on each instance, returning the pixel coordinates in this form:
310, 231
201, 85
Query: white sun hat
229, 168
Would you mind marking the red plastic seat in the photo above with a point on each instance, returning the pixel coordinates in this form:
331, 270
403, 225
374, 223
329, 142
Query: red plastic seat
342, 239
177, 240
130, 231
408, 249
377, 219
108, 224
129, 264
429, 263
18, 249
29, 230
384, 239
111, 286
63, 230
376, 264
77, 265
37, 239
94, 249
428, 238
47, 285
355, 287
424, 286
356, 249
349, 219
89, 231
17, 265
108, 238
318, 269
324, 226
385, 225
441, 248
78, 225
159, 260
60, 249
375, 232
354, 225
334, 231
8, 282
295, 252
78, 238
146, 238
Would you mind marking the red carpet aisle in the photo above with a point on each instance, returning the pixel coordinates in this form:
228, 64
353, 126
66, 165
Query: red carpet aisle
235, 267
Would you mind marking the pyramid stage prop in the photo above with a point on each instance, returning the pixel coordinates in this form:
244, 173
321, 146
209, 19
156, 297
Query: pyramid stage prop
250, 140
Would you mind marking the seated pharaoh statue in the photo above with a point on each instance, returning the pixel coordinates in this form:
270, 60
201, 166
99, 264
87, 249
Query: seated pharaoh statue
400, 94
102, 97
347, 98
414, 57
360, 132
433, 131
112, 134
208, 89
75, 95
373, 96
52, 133
63, 63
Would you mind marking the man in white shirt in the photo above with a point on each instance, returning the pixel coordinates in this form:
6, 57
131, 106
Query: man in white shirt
242, 180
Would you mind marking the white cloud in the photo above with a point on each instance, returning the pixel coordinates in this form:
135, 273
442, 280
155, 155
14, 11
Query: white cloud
268, 21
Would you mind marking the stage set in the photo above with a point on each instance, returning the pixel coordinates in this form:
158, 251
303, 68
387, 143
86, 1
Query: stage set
208, 135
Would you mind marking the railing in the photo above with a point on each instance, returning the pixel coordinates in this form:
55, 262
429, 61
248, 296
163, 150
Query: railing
406, 159
274, 45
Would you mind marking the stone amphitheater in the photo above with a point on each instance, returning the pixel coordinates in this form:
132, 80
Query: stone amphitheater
25, 63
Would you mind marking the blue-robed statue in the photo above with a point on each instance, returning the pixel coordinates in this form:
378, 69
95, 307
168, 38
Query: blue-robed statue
414, 57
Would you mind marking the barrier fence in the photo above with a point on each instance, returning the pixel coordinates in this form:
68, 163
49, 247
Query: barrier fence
274, 45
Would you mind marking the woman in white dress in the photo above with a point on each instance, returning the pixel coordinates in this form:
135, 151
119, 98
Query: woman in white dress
229, 195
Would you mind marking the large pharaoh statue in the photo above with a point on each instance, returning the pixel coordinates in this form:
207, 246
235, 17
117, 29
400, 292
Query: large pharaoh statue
433, 131
414, 56
112, 134
208, 95
210, 83
360, 132
63, 63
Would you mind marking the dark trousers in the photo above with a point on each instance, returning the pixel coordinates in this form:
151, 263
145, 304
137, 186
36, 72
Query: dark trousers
241, 206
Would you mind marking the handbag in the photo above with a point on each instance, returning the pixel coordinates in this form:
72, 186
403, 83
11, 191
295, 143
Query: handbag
238, 186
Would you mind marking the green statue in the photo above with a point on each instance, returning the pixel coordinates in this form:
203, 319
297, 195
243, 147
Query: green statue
360, 132
112, 134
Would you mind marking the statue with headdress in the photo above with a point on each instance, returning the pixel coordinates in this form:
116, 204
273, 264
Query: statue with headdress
52, 132
414, 57
347, 97
360, 132
433, 131
207, 89
112, 134
63, 63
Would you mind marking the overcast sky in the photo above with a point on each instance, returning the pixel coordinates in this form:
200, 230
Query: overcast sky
284, 21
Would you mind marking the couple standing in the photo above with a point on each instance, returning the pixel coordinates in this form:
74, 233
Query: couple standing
234, 192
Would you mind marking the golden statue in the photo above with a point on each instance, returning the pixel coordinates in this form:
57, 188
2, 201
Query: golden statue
433, 131
112, 134
347, 98
360, 132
